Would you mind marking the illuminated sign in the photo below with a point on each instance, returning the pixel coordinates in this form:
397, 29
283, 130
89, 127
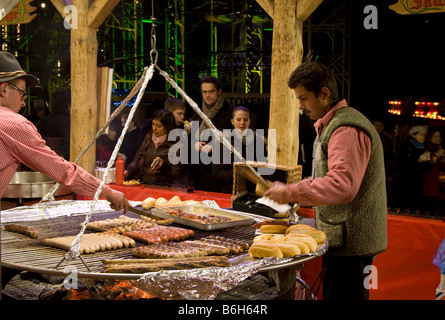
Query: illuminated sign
418, 6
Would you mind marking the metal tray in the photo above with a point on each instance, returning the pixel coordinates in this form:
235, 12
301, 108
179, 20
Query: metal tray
239, 219
32, 184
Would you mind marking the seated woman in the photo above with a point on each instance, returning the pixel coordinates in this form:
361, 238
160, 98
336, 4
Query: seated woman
151, 164
245, 141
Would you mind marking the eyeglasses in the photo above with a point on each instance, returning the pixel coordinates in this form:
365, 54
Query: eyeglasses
24, 94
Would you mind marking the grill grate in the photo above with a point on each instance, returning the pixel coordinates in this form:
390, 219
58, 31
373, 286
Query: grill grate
22, 251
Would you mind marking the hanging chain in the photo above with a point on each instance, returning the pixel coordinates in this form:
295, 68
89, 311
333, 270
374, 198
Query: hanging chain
153, 52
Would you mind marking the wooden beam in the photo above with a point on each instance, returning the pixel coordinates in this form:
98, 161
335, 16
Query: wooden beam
99, 11
83, 48
306, 7
267, 6
102, 96
287, 54
83, 87
60, 6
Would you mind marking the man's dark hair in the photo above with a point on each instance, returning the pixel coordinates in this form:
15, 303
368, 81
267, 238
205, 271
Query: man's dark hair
211, 79
313, 76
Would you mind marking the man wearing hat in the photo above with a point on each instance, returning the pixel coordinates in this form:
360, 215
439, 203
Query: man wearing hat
20, 141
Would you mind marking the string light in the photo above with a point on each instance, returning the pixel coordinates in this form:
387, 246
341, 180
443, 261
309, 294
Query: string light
395, 108
121, 94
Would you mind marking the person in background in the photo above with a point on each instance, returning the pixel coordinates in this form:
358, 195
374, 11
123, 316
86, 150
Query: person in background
55, 128
178, 108
387, 151
244, 140
106, 142
132, 140
411, 163
431, 185
151, 164
219, 111
347, 186
39, 111
20, 141
307, 134
400, 133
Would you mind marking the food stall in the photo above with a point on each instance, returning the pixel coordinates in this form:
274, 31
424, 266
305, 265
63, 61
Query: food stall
37, 239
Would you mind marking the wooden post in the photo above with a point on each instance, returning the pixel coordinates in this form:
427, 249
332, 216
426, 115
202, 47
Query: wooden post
83, 48
287, 54
102, 96
83, 87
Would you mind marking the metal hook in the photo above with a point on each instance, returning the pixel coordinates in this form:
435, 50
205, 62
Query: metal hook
155, 53
153, 42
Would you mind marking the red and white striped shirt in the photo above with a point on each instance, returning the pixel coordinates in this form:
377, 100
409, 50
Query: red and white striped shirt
349, 150
20, 142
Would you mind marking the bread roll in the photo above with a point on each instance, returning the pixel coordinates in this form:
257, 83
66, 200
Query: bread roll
160, 202
310, 242
264, 250
270, 228
190, 202
304, 248
288, 249
299, 227
305, 238
148, 203
175, 201
318, 235
265, 236
267, 241
279, 237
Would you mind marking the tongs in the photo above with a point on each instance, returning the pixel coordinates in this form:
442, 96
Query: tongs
141, 212
261, 186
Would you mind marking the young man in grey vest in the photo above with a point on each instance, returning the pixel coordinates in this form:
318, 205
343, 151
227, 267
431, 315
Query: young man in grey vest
347, 188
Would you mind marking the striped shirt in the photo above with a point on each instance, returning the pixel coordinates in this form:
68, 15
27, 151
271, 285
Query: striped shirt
349, 151
20, 142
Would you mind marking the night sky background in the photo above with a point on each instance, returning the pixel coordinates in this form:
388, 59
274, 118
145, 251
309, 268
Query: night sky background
403, 58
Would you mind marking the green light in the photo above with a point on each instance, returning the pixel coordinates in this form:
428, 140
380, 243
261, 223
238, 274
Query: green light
268, 29
149, 21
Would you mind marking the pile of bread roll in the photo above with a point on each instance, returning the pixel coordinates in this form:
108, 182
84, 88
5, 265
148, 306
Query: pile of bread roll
162, 202
283, 241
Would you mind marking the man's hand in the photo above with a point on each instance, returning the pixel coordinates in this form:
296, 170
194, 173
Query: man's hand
118, 201
199, 145
278, 193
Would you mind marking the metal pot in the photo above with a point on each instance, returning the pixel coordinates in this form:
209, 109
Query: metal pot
31, 184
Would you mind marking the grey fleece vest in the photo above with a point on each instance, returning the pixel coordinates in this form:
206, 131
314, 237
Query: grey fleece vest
356, 228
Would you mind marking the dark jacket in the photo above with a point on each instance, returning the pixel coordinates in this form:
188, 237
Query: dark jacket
131, 143
201, 174
140, 166
222, 172
409, 176
222, 119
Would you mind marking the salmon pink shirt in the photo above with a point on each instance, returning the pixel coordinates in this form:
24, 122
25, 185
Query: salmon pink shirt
349, 150
20, 142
